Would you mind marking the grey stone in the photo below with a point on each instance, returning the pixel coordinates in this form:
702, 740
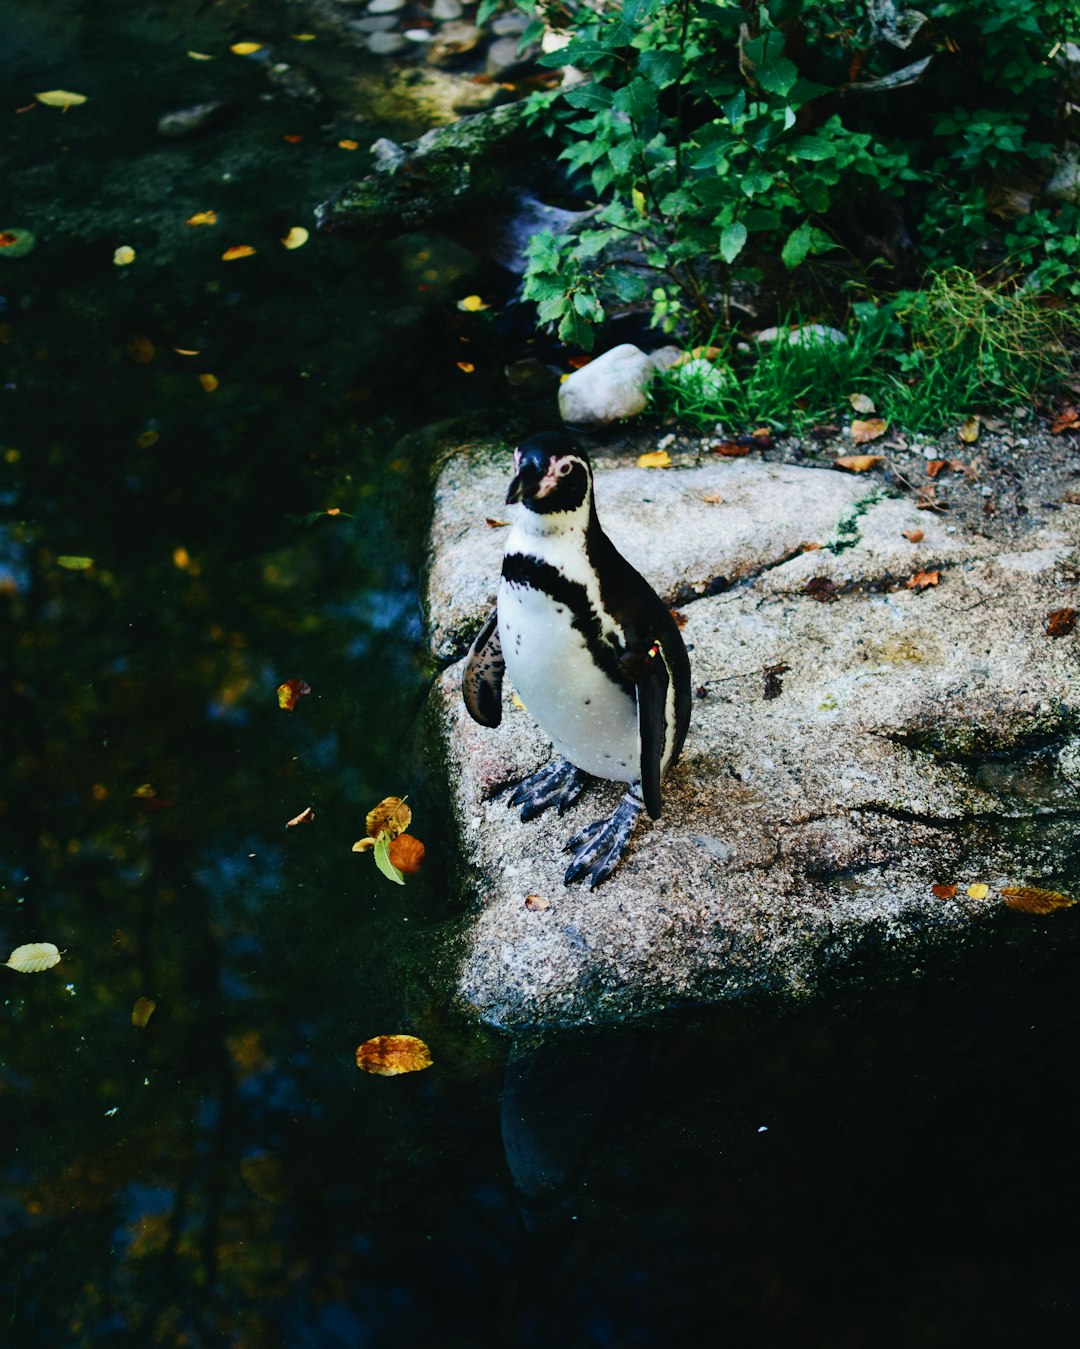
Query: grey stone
804, 335
1064, 182
386, 44
377, 23
385, 6
455, 42
444, 10
506, 53
610, 387
917, 736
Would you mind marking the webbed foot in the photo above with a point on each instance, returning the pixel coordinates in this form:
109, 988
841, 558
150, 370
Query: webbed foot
600, 845
558, 784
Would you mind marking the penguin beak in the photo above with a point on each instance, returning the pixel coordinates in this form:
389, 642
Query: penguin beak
526, 485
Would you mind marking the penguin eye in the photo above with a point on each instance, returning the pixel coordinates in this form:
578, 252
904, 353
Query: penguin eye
564, 467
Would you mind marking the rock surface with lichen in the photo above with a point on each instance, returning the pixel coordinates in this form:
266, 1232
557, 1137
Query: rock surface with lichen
857, 737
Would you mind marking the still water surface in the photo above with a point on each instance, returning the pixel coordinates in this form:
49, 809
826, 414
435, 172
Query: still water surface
891, 1166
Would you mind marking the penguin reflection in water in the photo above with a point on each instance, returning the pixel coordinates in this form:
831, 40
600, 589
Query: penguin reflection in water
592, 651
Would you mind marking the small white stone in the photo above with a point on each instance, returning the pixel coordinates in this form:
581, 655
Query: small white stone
447, 9
385, 6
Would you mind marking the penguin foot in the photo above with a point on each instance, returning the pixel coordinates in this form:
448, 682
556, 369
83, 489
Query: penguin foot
600, 845
559, 784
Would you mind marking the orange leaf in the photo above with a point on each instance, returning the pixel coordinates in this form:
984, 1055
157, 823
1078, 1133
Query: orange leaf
407, 854
349, 145
1060, 623
305, 817
391, 816
492, 523
922, 579
859, 463
1030, 899
202, 218
537, 903
142, 1011
467, 366
290, 693
237, 251
934, 467
871, 429
1068, 419
944, 891
915, 535
388, 1055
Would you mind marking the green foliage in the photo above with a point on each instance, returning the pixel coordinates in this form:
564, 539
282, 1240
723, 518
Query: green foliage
713, 132
925, 357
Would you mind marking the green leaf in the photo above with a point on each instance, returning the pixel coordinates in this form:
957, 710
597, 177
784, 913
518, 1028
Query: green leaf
627, 286
554, 307
639, 100
812, 148
732, 239
544, 254
662, 67
754, 181
382, 859
576, 330
777, 76
580, 52
797, 246
594, 96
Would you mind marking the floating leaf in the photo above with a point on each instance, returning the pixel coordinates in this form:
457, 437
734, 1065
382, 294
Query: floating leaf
305, 817
124, 256
922, 579
349, 145
142, 1011
200, 56
392, 816
1060, 622
297, 237
292, 139
1030, 899
33, 958
654, 459
388, 1055
302, 37
289, 693
202, 218
467, 366
861, 403
15, 243
915, 535
537, 903
713, 498
208, 381
858, 463
185, 351
406, 853
72, 563
873, 429
237, 251
382, 859
140, 348
978, 891
472, 304
944, 891
246, 48
145, 439
144, 792
60, 98
969, 430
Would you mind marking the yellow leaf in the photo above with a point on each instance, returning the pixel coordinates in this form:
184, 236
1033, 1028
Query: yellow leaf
70, 563
466, 366
388, 1055
858, 463
237, 251
517, 702
861, 431
142, 1011
364, 844
302, 37
349, 145
978, 891
472, 304
305, 817
181, 558
297, 237
202, 218
246, 48
183, 351
290, 692
713, 498
861, 403
200, 56
654, 459
145, 439
1030, 899
209, 382
124, 256
969, 430
638, 198
391, 816
144, 792
33, 958
60, 98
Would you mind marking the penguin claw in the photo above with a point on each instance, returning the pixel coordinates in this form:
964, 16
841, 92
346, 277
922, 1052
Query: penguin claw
599, 847
557, 784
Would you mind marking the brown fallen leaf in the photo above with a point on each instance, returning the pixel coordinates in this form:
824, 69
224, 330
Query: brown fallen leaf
1031, 899
859, 463
537, 903
305, 817
821, 588
934, 467
944, 891
392, 815
730, 449
680, 618
492, 523
713, 498
142, 1011
969, 430
1068, 419
389, 1055
922, 579
290, 693
1061, 622
863, 431
407, 854
774, 684
915, 535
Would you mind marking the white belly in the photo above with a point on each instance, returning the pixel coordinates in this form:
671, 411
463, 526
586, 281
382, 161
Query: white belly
591, 721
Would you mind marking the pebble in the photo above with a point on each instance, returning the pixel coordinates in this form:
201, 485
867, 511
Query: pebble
503, 55
447, 9
385, 6
506, 25
455, 40
376, 23
386, 44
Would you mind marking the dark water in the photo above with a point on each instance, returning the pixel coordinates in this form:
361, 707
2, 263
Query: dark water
893, 1166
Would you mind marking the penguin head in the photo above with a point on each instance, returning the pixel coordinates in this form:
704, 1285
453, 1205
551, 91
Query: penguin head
552, 474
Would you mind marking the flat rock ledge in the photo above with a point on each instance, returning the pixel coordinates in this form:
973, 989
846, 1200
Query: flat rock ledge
905, 737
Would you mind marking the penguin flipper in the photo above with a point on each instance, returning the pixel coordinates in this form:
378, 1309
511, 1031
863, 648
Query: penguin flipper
481, 683
652, 709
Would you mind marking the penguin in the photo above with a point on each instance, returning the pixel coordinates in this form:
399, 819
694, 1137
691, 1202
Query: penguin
592, 651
